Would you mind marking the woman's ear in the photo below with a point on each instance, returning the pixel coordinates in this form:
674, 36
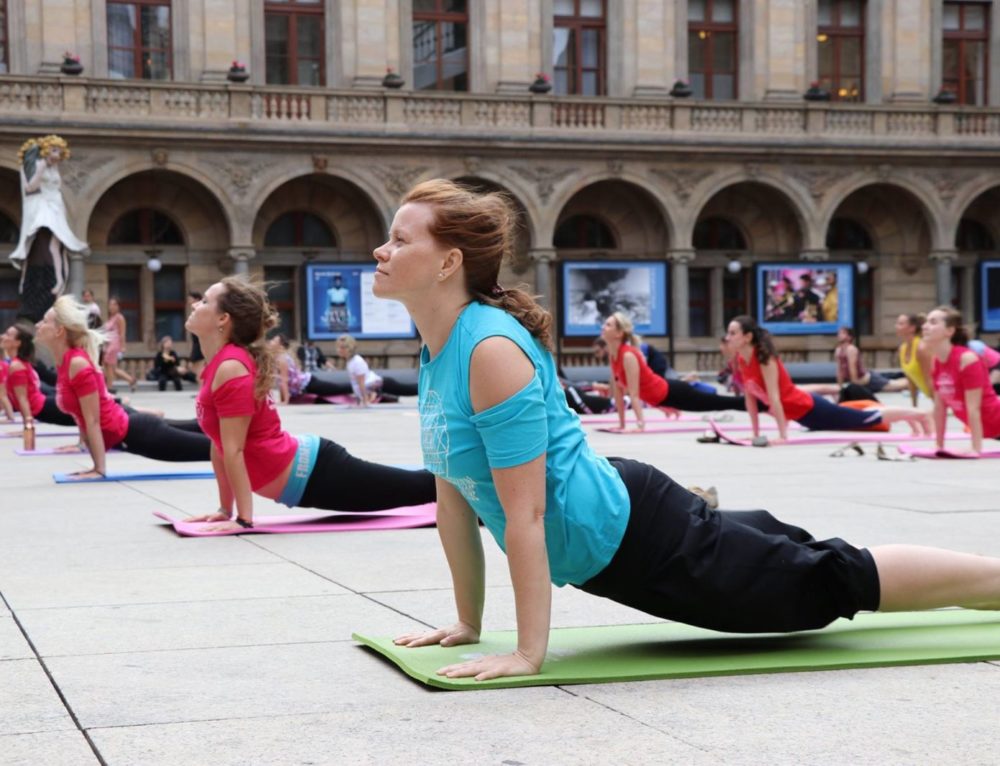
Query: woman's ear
452, 261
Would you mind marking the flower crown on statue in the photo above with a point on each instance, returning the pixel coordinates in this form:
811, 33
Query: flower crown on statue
45, 145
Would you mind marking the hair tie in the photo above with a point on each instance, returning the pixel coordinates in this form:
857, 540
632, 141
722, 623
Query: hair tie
496, 291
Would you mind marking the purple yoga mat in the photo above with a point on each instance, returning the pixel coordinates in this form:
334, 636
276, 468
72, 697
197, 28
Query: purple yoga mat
831, 437
70, 432
651, 413
946, 454
690, 428
408, 517
41, 451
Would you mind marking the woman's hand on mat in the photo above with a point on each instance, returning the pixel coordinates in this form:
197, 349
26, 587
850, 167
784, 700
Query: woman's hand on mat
671, 413
69, 448
492, 666
217, 516
454, 635
225, 526
91, 473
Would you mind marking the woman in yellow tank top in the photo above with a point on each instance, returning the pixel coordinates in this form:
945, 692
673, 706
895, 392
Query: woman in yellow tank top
914, 359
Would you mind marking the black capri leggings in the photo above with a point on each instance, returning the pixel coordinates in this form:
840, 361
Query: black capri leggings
154, 437
395, 388
342, 482
326, 387
684, 396
740, 572
50, 413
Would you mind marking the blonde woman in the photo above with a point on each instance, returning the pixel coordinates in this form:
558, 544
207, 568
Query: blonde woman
115, 334
368, 386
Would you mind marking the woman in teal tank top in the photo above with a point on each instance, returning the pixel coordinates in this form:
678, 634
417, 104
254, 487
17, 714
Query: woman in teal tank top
504, 447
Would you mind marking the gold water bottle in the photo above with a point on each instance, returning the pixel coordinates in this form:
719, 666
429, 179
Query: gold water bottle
29, 437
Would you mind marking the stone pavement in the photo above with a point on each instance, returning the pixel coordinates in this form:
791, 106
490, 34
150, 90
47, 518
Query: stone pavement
123, 644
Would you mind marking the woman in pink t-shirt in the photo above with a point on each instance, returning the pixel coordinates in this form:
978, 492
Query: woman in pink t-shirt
250, 451
82, 393
23, 384
960, 379
4, 397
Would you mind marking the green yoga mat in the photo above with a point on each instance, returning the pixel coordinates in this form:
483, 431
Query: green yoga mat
670, 650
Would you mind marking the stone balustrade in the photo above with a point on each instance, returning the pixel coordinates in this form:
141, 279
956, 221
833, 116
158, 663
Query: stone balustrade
114, 102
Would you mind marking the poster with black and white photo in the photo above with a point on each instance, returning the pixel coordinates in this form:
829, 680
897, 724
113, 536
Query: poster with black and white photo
989, 276
593, 291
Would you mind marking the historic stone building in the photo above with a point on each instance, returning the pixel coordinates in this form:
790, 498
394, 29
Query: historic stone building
708, 134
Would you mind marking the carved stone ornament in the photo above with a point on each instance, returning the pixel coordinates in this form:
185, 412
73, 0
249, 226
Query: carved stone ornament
818, 180
683, 180
752, 169
472, 164
545, 178
397, 179
883, 172
616, 167
160, 157
76, 172
240, 169
945, 182
320, 163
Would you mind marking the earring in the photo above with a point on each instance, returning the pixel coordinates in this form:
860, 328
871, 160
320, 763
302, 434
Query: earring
220, 328
440, 275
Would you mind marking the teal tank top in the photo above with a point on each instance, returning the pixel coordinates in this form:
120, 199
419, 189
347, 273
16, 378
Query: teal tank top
586, 503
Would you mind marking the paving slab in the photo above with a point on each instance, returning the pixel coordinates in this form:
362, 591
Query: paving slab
29, 704
13, 645
55, 748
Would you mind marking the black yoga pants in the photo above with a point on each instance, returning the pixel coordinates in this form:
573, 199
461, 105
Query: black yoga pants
684, 396
50, 413
154, 437
342, 482
326, 387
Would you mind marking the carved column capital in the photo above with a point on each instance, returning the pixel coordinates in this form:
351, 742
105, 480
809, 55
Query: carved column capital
814, 256
542, 255
681, 257
241, 257
943, 256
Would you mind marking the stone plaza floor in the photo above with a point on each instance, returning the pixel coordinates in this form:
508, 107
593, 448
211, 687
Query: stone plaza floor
121, 643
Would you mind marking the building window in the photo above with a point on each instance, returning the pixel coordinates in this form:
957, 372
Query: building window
579, 47
9, 232
965, 51
584, 232
972, 236
847, 234
169, 302
9, 297
718, 234
280, 282
145, 227
139, 40
865, 303
713, 61
736, 292
699, 295
841, 43
440, 45
293, 42
123, 284
299, 229
4, 38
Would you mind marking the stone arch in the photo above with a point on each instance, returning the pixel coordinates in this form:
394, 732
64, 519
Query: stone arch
897, 219
10, 194
93, 200
195, 209
340, 203
983, 209
793, 199
768, 216
494, 178
634, 186
633, 213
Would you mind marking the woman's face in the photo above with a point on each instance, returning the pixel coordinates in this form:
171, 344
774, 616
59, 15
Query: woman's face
903, 327
343, 351
167, 343
203, 320
112, 306
736, 339
610, 331
410, 263
935, 330
9, 341
843, 336
47, 329
88, 297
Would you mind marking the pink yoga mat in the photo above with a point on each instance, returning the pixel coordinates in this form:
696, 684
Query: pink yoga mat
408, 517
831, 437
651, 413
42, 451
946, 454
345, 399
690, 428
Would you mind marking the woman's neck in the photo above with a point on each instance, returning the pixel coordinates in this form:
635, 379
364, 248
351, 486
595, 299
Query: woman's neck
59, 352
435, 320
943, 350
211, 345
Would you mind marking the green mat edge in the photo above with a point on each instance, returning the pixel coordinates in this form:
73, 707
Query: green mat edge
384, 646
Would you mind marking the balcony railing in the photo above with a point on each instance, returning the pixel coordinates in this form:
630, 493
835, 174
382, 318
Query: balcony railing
82, 101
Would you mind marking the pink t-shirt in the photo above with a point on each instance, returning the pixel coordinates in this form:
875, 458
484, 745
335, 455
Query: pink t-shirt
89, 380
652, 388
3, 371
27, 377
268, 450
796, 402
951, 382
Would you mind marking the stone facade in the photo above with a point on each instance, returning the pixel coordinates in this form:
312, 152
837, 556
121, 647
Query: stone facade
225, 160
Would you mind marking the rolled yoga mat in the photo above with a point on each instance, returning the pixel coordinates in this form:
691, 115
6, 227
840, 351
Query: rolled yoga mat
830, 437
193, 473
946, 454
409, 517
616, 653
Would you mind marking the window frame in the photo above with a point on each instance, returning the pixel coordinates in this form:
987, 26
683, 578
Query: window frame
577, 23
284, 306
438, 17
963, 36
145, 220
292, 9
711, 28
5, 36
837, 35
133, 329
137, 49
298, 218
175, 306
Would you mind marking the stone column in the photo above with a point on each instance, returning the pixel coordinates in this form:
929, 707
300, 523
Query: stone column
943, 261
543, 259
786, 59
716, 289
679, 292
76, 281
241, 260
913, 60
651, 57
515, 44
